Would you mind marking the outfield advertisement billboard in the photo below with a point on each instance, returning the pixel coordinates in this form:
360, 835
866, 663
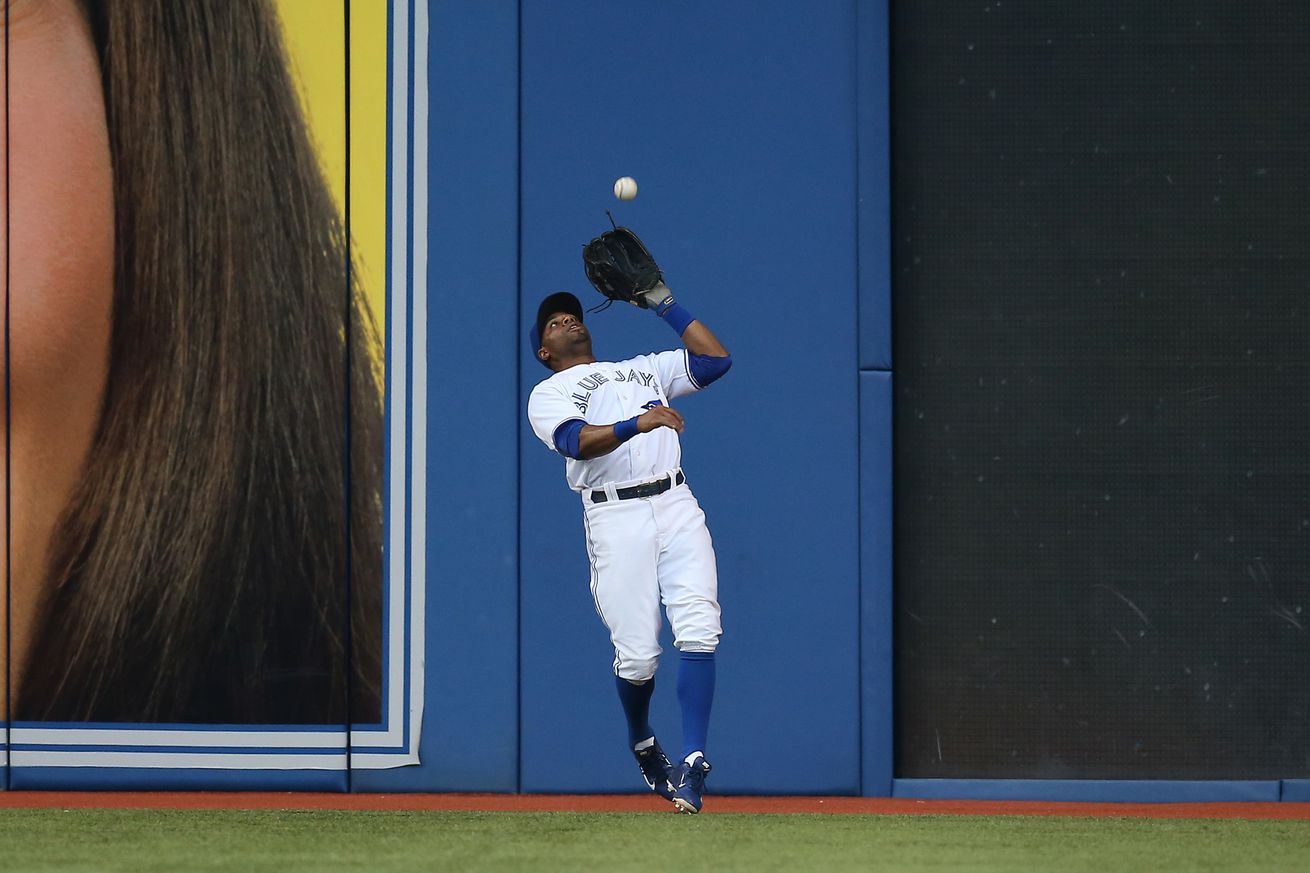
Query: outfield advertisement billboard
215, 370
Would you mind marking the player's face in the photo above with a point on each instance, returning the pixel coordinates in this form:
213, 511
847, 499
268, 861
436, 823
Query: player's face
60, 268
565, 336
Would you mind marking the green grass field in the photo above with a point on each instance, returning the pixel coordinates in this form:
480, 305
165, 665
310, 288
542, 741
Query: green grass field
292, 841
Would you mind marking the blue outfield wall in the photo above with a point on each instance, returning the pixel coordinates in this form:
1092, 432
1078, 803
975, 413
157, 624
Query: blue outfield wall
876, 713
469, 739
873, 235
874, 201
738, 124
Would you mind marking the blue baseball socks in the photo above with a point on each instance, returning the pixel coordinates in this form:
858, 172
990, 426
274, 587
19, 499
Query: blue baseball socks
695, 696
636, 708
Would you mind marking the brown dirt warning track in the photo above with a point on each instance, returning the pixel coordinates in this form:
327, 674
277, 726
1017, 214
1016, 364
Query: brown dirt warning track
637, 803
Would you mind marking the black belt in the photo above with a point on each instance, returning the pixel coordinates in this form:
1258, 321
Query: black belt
645, 489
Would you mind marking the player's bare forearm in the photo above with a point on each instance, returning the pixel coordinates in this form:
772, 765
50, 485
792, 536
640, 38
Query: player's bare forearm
595, 440
700, 340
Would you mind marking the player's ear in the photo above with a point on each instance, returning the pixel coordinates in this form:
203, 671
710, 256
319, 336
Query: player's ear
542, 354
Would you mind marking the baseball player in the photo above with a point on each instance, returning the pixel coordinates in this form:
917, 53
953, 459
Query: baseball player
645, 532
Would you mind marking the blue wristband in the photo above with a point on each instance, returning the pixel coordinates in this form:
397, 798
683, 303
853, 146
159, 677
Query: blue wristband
678, 317
626, 430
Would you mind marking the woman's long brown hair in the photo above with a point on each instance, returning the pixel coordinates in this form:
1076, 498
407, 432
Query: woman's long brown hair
203, 571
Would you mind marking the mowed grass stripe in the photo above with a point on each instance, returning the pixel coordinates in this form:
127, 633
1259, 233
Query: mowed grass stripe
288, 841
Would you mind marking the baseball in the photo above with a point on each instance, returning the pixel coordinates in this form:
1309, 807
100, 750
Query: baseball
625, 188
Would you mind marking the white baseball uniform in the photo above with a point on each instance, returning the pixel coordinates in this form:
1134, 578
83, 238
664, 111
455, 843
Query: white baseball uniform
643, 550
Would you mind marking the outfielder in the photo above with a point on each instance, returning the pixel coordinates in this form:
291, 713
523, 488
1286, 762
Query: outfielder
646, 535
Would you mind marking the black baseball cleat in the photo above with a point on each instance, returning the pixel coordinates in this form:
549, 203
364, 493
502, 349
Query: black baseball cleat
689, 784
656, 770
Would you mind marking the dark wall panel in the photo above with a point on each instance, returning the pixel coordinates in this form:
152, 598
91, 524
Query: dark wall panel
1103, 493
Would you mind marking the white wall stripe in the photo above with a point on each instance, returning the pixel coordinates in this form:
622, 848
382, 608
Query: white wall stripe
167, 760
151, 737
419, 425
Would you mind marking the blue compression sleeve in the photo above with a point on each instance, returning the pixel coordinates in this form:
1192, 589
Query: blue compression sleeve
678, 317
566, 437
705, 369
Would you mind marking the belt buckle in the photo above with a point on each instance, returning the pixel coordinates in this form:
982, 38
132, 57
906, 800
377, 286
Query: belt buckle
649, 489
645, 489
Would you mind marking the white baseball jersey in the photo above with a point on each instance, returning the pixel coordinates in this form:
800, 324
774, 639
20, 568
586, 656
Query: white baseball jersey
602, 393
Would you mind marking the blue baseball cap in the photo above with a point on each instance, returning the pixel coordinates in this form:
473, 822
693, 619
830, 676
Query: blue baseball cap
560, 301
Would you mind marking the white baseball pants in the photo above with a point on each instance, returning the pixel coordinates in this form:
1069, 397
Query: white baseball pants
646, 551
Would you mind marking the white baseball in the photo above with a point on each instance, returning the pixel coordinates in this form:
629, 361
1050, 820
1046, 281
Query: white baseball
625, 188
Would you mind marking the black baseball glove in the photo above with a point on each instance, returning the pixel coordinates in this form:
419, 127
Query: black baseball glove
620, 268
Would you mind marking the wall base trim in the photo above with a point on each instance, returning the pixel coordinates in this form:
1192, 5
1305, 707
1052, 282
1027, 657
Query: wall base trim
1096, 790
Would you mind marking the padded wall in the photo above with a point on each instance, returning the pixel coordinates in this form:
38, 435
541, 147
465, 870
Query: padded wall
738, 122
876, 722
470, 726
873, 224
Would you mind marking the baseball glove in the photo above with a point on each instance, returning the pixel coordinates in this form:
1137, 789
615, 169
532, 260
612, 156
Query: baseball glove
620, 268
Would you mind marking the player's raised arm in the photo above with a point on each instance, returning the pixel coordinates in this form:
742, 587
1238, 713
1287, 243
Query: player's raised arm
700, 340
696, 336
708, 359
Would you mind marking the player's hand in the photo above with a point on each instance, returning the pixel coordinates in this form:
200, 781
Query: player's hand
658, 298
660, 416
